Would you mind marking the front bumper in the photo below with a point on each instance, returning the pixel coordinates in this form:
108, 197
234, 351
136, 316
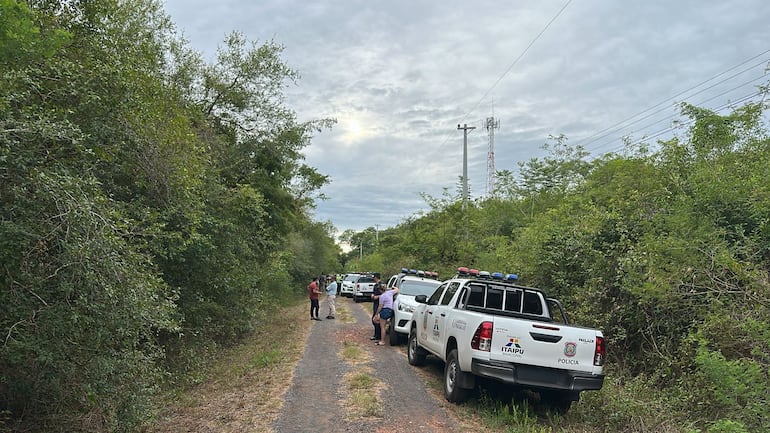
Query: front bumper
402, 322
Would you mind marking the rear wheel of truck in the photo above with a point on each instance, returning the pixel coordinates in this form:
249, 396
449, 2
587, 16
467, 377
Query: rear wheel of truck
453, 377
414, 353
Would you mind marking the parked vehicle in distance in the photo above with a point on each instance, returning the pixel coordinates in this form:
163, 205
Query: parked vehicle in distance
349, 284
489, 327
404, 304
364, 288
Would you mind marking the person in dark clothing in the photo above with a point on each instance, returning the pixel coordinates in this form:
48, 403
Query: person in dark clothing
377, 291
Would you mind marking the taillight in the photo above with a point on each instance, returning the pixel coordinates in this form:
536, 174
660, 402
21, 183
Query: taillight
601, 351
482, 339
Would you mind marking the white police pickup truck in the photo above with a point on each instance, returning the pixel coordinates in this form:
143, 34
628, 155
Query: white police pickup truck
487, 326
410, 283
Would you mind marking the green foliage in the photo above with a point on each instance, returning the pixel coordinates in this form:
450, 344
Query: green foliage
82, 308
23, 39
665, 250
145, 199
735, 389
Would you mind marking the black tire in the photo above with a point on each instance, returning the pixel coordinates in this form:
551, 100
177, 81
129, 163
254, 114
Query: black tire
453, 376
357, 299
394, 337
414, 353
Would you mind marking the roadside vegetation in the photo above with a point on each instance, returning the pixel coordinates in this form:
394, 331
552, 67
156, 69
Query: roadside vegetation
155, 209
663, 246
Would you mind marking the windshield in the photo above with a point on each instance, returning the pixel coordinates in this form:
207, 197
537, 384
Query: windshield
351, 277
414, 288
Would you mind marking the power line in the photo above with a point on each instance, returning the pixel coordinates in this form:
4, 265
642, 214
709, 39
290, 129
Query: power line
510, 67
675, 115
617, 126
718, 109
518, 58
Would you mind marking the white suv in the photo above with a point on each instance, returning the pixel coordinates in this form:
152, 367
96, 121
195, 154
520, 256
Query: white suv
348, 288
409, 286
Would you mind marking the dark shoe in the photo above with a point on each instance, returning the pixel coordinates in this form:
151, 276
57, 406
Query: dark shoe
316, 318
330, 317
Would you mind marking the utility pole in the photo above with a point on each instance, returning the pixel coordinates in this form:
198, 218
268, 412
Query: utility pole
492, 124
465, 129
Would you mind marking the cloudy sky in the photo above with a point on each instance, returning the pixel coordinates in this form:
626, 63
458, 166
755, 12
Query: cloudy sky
399, 76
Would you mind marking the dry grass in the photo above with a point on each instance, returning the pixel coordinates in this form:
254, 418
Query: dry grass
362, 398
246, 388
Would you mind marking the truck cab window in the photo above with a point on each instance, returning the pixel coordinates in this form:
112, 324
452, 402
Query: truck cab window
450, 292
433, 300
532, 304
476, 296
495, 298
513, 301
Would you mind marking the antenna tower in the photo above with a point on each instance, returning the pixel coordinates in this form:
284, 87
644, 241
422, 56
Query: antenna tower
491, 125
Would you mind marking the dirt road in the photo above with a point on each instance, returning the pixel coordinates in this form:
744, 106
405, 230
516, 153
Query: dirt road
321, 399
303, 376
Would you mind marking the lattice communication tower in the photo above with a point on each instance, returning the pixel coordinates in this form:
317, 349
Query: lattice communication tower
491, 125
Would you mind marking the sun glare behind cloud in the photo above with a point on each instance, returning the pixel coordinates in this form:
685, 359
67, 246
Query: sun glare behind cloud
355, 128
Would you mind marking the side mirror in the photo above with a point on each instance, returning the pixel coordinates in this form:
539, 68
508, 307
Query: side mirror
421, 299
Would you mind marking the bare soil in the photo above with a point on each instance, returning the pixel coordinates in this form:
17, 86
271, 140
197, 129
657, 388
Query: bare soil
309, 390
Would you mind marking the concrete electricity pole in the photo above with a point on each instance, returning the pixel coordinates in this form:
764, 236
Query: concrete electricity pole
465, 129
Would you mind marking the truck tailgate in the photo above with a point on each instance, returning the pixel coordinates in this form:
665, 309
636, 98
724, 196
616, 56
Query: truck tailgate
544, 344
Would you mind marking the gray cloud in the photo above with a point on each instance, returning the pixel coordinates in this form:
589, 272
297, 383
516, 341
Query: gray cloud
399, 76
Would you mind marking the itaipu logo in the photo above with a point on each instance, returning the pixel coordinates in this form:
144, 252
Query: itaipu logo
513, 347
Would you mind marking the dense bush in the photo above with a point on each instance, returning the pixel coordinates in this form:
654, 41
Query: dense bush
143, 207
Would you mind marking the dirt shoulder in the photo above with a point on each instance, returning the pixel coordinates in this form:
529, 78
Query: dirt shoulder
325, 376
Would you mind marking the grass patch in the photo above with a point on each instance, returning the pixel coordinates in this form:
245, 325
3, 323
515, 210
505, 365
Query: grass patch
266, 359
361, 381
353, 353
361, 405
343, 313
514, 417
364, 396
247, 382
363, 390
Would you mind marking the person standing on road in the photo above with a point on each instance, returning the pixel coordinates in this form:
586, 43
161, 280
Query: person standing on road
331, 296
312, 291
376, 292
385, 312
